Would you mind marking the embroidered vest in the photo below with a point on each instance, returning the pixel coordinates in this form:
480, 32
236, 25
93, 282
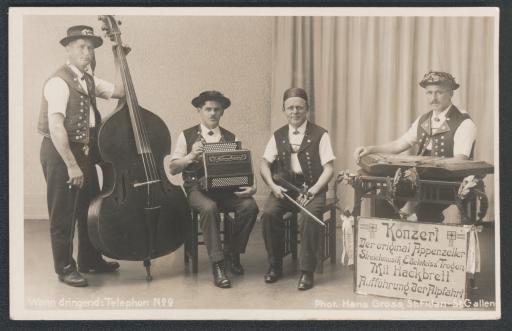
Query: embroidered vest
194, 171
308, 154
76, 121
443, 138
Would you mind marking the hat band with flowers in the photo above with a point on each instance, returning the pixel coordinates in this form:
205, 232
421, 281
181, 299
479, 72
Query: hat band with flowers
81, 32
439, 78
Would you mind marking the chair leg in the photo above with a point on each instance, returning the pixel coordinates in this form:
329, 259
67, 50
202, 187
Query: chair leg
332, 235
186, 247
194, 248
294, 231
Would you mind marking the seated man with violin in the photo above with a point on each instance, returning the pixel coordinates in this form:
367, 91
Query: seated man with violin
68, 121
186, 159
444, 131
300, 151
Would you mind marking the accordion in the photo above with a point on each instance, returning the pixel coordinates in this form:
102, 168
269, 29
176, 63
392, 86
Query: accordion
226, 166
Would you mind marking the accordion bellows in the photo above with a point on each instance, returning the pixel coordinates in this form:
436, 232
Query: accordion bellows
226, 166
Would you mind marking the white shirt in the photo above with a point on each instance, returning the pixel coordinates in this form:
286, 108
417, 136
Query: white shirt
56, 92
462, 140
181, 144
325, 148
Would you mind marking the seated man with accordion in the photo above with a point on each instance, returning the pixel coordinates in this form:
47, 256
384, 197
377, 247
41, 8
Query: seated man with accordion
206, 196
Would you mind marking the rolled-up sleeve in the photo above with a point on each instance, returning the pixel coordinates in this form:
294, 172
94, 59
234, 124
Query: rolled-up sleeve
181, 148
56, 93
325, 149
411, 136
270, 153
464, 138
104, 89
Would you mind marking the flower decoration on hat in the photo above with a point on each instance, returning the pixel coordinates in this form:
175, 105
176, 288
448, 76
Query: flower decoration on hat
439, 78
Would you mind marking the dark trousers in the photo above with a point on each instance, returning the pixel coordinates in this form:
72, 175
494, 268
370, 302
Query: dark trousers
311, 233
207, 204
425, 212
61, 198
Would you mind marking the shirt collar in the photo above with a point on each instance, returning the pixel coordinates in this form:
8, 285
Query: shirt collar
76, 70
442, 115
301, 129
205, 130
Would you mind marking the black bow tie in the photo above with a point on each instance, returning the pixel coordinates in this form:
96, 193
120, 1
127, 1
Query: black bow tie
210, 133
296, 132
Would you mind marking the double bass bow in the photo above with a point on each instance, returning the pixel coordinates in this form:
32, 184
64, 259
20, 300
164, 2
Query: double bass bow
139, 215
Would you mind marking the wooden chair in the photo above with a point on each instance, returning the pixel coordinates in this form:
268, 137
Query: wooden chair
328, 250
193, 241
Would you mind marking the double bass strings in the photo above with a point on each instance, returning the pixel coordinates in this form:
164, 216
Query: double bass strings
142, 136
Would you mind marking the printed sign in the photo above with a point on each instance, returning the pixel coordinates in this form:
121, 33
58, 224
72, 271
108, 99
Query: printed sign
411, 260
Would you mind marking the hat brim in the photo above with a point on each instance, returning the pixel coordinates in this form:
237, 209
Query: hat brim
97, 41
200, 100
451, 86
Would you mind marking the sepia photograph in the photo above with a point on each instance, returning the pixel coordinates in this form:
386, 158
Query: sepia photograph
230, 163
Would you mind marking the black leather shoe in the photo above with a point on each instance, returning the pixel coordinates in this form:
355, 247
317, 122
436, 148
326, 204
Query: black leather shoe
234, 264
73, 278
220, 279
99, 267
305, 281
274, 273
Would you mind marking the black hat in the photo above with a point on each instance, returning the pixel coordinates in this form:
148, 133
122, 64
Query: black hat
295, 92
81, 32
439, 78
211, 96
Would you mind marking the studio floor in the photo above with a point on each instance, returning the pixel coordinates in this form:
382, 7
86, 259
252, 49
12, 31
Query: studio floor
175, 286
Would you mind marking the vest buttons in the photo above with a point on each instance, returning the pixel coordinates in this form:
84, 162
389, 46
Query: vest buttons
81, 110
79, 117
81, 103
442, 144
77, 131
77, 137
79, 124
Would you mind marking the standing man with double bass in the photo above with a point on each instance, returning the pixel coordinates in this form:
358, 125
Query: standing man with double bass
69, 120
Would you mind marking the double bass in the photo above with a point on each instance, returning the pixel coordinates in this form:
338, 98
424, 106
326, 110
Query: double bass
139, 215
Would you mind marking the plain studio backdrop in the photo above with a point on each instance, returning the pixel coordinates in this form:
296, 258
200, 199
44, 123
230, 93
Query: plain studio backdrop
362, 75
